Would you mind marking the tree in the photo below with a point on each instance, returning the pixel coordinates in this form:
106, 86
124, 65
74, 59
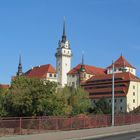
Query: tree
29, 96
101, 107
73, 101
34, 97
3, 103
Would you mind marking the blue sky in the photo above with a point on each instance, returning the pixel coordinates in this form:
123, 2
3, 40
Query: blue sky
103, 29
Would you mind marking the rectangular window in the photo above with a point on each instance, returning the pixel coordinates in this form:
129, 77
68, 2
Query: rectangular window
115, 100
110, 101
133, 87
120, 100
133, 100
133, 93
121, 108
50, 75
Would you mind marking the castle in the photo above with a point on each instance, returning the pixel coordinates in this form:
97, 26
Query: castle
96, 81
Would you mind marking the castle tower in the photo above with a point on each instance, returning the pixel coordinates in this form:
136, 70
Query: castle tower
63, 59
82, 77
19, 73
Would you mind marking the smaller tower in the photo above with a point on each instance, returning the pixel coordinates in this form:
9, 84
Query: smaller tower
82, 71
19, 73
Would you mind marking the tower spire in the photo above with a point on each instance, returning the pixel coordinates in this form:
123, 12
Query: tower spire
82, 64
64, 32
19, 73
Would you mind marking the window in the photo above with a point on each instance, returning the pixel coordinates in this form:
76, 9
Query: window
133, 100
115, 100
73, 84
54, 75
110, 101
133, 93
121, 108
50, 75
120, 100
73, 75
133, 87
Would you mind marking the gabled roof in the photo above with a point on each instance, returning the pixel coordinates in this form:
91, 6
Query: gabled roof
127, 76
101, 85
88, 69
4, 86
40, 71
121, 62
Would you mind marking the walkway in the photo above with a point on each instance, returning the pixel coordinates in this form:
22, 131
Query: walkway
78, 134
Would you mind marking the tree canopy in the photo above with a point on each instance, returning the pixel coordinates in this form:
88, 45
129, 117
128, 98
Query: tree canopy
34, 97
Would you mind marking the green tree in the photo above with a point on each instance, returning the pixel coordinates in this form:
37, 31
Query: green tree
29, 96
102, 107
3, 102
72, 101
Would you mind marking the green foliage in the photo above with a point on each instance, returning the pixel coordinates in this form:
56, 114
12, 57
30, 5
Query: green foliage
3, 103
34, 97
101, 107
29, 96
73, 101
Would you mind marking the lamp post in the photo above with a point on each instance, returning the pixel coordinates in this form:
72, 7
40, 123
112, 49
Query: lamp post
112, 93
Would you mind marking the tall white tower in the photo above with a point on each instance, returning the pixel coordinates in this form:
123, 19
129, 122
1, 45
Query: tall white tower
63, 59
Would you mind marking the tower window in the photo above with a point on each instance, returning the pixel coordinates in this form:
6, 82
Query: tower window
133, 93
133, 100
50, 75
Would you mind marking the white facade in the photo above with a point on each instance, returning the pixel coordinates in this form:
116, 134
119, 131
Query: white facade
133, 95
51, 77
119, 70
63, 62
73, 79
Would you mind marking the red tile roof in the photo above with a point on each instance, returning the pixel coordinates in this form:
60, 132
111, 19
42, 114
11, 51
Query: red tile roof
101, 85
124, 75
121, 62
40, 71
4, 86
89, 69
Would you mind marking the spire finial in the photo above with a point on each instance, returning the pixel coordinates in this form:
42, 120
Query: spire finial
20, 59
82, 64
19, 73
64, 31
82, 57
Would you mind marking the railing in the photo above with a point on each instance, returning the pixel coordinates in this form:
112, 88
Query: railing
30, 125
